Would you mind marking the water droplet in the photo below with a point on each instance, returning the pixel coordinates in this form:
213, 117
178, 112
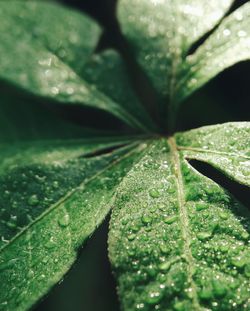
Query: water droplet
154, 193
30, 274
131, 237
201, 206
33, 200
238, 262
45, 260
165, 266
226, 32
170, 220
219, 288
223, 215
56, 184
242, 33
206, 293
146, 219
245, 235
202, 236
54, 90
64, 220
11, 225
164, 249
50, 244
179, 306
153, 297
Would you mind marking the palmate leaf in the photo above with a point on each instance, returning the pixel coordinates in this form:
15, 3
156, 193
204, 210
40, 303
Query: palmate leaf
44, 48
161, 33
52, 199
178, 240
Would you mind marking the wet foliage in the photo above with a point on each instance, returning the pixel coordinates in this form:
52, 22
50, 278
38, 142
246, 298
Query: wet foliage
178, 239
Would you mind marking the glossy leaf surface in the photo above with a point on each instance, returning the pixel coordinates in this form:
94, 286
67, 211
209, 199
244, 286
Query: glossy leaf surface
52, 199
161, 33
228, 45
179, 241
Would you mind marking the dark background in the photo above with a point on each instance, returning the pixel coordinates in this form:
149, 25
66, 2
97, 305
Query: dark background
90, 286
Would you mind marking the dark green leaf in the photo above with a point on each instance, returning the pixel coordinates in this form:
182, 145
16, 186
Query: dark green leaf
24, 118
107, 71
52, 198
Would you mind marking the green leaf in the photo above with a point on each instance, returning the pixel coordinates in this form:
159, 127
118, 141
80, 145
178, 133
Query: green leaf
41, 123
107, 71
161, 32
178, 240
226, 147
228, 45
46, 59
53, 197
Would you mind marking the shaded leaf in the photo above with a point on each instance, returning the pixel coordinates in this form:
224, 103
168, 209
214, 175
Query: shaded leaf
178, 240
52, 199
23, 118
107, 71
46, 57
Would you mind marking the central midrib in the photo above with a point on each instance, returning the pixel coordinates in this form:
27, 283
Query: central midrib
184, 220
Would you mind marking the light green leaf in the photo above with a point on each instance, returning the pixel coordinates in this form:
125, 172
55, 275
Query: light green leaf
228, 45
45, 61
178, 240
161, 33
52, 198
226, 147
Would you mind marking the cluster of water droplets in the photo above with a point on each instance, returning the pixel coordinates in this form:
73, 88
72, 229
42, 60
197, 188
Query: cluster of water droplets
228, 45
165, 262
48, 63
224, 148
170, 29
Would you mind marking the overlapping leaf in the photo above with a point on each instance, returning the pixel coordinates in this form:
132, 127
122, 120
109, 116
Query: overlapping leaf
161, 33
228, 45
52, 199
179, 241
44, 48
107, 71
